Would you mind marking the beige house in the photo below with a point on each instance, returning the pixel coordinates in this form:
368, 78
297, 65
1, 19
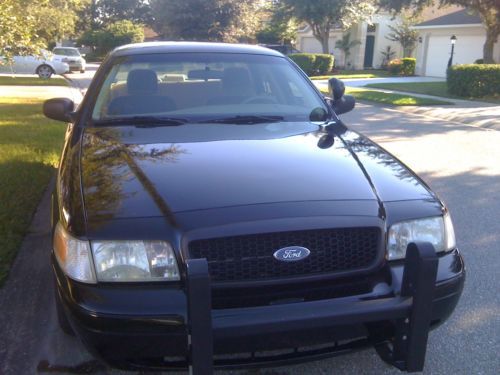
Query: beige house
367, 54
434, 47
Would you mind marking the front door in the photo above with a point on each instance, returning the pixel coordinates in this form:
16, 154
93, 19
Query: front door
369, 47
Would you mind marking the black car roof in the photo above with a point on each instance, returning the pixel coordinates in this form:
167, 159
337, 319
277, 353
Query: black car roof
173, 47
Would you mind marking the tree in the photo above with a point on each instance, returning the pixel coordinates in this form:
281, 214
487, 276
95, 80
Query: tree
281, 28
57, 19
17, 31
137, 11
345, 44
206, 20
26, 26
488, 10
404, 35
112, 36
324, 15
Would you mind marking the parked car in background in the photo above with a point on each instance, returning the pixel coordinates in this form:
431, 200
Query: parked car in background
70, 56
44, 65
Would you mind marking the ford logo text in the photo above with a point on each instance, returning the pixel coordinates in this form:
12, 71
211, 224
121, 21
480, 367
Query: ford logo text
291, 254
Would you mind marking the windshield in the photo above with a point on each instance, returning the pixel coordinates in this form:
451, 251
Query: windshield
66, 52
197, 87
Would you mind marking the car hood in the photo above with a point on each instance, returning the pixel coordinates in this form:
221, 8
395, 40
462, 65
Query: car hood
130, 172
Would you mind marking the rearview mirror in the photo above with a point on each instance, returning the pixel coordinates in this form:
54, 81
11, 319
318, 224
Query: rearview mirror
60, 109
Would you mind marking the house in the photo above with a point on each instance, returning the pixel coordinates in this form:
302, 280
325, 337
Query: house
150, 35
434, 47
367, 54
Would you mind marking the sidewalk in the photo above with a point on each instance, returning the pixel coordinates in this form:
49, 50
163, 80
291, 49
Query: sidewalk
466, 112
42, 92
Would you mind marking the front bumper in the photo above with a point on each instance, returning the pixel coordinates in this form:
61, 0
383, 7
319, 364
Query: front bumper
174, 326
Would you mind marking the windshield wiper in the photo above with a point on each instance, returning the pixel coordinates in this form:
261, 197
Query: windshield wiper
142, 121
244, 120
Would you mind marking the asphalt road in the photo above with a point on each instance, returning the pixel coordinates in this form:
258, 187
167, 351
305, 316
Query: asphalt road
461, 163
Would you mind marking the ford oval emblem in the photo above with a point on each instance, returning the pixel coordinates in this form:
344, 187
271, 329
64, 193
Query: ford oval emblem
291, 254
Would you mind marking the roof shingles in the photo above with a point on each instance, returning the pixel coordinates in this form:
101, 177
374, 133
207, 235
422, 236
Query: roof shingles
462, 17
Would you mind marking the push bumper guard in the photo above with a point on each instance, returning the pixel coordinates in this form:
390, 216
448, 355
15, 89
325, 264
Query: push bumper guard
411, 310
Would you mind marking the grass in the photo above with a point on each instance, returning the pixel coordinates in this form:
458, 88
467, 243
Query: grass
390, 99
354, 74
429, 88
30, 146
32, 81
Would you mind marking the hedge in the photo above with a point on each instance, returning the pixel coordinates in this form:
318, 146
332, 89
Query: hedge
409, 64
473, 80
313, 63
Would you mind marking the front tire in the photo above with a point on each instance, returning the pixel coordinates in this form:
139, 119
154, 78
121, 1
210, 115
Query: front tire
44, 71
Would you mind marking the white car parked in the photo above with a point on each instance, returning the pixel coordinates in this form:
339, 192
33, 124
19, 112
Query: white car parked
71, 56
44, 65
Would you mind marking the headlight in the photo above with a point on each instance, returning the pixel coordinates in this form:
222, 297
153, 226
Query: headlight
126, 261
436, 230
73, 256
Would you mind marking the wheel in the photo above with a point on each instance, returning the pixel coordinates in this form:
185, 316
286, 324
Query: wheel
260, 99
62, 319
44, 71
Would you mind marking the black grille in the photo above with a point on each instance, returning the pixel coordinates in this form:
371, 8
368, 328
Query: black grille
250, 257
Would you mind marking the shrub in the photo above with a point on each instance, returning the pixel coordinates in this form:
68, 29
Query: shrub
479, 61
313, 63
474, 80
408, 66
305, 61
323, 63
395, 66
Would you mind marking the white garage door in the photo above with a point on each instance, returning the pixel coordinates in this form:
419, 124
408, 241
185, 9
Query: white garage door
311, 45
467, 50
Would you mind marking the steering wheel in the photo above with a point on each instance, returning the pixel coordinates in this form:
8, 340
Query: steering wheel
259, 99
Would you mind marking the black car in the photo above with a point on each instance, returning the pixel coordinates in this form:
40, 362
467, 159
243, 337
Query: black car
212, 210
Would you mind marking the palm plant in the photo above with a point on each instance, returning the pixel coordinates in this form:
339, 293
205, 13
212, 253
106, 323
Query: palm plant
345, 44
387, 56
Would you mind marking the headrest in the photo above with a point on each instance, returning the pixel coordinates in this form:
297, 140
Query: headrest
142, 81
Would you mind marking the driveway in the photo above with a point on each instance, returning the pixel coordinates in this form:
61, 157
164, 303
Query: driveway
323, 83
82, 80
460, 162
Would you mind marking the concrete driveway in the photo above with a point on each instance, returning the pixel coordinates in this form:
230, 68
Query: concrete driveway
323, 83
460, 162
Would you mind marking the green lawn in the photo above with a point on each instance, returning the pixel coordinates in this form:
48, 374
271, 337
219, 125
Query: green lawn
429, 88
354, 74
30, 147
391, 99
32, 81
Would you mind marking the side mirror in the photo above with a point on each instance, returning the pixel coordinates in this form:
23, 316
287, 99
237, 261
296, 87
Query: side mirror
336, 88
83, 54
60, 109
341, 103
